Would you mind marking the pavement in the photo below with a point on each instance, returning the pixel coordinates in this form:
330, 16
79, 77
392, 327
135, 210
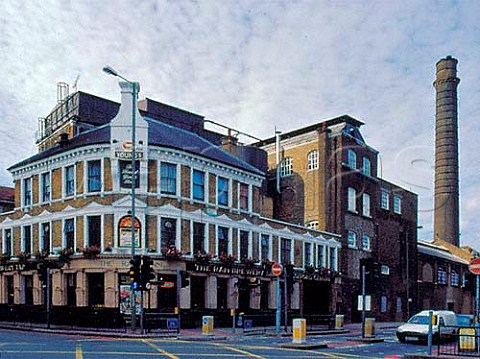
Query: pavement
196, 334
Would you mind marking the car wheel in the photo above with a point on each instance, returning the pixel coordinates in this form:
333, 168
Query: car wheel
401, 339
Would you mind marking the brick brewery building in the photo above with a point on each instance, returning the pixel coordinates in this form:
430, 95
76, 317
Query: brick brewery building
328, 179
200, 210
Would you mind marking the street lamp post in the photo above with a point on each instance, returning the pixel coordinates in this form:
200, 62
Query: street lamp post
109, 70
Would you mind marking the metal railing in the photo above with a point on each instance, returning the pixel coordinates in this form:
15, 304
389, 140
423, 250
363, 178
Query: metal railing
463, 343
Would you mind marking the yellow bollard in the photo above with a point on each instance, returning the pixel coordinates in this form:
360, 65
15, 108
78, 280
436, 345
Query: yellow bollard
339, 321
299, 331
467, 339
369, 327
207, 325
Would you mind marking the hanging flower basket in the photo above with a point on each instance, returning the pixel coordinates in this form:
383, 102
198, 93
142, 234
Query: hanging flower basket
171, 253
227, 259
91, 252
65, 255
202, 258
4, 258
248, 262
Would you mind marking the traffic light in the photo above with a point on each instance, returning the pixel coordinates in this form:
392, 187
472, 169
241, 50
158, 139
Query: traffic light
42, 272
185, 279
147, 273
289, 271
134, 272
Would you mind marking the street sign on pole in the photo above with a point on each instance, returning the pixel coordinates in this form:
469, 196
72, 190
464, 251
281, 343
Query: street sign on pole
276, 269
474, 266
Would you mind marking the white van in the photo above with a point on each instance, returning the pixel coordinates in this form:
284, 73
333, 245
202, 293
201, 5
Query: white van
416, 328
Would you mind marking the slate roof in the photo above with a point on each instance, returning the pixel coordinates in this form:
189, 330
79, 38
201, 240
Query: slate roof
159, 134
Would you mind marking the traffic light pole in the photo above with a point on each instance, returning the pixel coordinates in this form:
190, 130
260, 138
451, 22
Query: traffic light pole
48, 299
363, 301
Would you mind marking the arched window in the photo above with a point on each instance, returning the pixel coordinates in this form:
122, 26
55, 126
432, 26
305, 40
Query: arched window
312, 160
352, 159
427, 273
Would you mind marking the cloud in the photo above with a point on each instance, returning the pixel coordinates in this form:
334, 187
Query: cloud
255, 66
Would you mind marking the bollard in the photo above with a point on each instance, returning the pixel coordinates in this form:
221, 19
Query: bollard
369, 327
207, 325
299, 331
339, 321
467, 339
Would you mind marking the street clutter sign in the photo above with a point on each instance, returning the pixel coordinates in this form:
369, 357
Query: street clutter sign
368, 303
276, 269
474, 266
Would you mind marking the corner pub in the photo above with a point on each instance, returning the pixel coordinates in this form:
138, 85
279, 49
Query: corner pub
201, 209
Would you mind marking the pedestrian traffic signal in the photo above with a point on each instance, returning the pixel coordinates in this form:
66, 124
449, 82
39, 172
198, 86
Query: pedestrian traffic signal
147, 272
185, 279
134, 272
42, 272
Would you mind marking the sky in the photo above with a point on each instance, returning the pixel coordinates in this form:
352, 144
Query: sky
257, 66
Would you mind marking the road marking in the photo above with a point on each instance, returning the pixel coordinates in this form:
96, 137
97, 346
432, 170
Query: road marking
244, 352
78, 352
160, 350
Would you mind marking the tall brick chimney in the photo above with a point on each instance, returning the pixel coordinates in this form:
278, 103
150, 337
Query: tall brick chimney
446, 196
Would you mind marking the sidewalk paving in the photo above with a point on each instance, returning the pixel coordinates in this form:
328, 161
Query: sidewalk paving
191, 334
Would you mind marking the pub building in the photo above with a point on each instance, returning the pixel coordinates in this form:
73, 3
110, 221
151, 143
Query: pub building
201, 213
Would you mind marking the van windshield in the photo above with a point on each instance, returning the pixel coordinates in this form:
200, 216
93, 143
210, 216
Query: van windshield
419, 319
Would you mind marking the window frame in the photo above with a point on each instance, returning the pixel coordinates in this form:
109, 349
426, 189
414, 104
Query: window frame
366, 166
227, 238
286, 167
196, 236
268, 239
397, 204
223, 193
312, 160
168, 184
385, 199
307, 254
44, 188
366, 201
442, 276
366, 243
100, 230
27, 243
197, 186
352, 200
65, 239
6, 240
68, 182
41, 242
352, 239
94, 181
27, 193
243, 196
352, 159
168, 238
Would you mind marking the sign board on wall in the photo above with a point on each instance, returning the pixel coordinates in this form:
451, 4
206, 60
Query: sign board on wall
368, 301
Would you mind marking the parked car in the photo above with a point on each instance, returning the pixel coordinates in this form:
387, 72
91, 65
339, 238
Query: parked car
416, 328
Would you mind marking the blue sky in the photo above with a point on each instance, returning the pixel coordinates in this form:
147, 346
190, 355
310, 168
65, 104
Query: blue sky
257, 65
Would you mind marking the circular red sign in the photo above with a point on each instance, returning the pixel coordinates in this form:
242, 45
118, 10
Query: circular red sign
276, 269
474, 266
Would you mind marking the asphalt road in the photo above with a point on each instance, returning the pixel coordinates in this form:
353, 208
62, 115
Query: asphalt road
26, 345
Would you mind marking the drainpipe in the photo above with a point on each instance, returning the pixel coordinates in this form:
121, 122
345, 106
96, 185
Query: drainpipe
277, 153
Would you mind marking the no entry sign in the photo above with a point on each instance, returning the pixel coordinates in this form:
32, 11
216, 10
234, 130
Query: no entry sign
276, 269
474, 266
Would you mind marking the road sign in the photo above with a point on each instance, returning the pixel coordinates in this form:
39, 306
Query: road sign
276, 269
474, 266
